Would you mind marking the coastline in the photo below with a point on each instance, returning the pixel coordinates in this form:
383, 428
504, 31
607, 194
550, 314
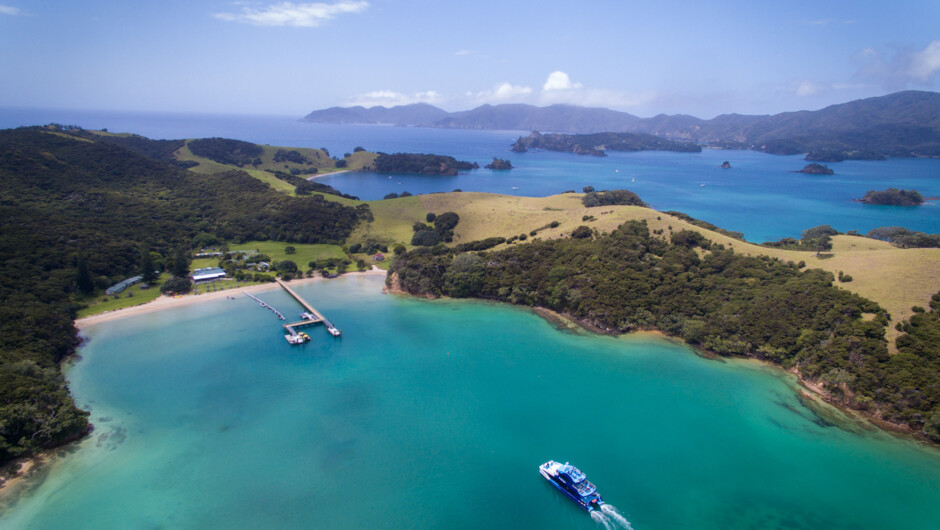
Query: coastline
808, 389
311, 178
15, 476
167, 302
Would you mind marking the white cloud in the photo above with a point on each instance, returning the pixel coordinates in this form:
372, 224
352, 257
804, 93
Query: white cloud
9, 10
500, 93
805, 88
559, 88
903, 68
464, 52
390, 98
290, 14
559, 80
924, 64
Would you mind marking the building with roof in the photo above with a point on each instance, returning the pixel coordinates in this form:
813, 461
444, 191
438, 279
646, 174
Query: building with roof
208, 274
118, 287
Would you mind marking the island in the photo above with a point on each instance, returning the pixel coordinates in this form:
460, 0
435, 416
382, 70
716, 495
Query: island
423, 164
499, 163
596, 144
893, 197
725, 165
816, 169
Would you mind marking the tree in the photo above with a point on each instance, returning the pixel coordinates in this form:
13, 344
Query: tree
361, 264
426, 238
180, 267
400, 249
582, 232
146, 266
932, 426
85, 283
341, 163
430, 217
289, 249
286, 266
176, 285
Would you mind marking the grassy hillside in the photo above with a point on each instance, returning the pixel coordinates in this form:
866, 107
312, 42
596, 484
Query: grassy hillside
315, 158
897, 279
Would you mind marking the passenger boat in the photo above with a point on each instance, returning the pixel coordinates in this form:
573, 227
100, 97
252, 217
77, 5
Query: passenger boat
572, 482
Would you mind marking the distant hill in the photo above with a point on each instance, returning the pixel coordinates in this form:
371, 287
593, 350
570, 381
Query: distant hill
902, 124
415, 114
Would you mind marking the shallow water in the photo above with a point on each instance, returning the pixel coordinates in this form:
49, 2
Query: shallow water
437, 414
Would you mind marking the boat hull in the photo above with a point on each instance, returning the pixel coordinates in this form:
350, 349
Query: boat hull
588, 506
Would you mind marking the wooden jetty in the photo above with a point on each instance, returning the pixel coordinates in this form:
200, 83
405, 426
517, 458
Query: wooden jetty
317, 317
264, 304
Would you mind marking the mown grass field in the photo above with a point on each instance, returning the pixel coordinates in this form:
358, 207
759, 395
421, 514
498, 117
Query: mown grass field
305, 252
131, 296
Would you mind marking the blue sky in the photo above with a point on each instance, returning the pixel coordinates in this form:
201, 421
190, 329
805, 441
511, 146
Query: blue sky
289, 58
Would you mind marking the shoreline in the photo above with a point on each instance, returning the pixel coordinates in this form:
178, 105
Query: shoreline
15, 476
167, 302
807, 389
313, 177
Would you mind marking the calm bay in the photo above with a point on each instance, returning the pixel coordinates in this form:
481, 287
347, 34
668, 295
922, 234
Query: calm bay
437, 414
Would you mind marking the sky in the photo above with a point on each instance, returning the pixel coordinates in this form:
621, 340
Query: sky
290, 58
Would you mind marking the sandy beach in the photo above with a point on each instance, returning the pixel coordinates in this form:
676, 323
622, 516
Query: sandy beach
167, 302
330, 174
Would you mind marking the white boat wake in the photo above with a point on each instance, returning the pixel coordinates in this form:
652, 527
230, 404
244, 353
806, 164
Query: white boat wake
602, 520
615, 516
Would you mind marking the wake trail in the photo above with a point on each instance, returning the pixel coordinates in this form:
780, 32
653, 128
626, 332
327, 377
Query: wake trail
602, 520
615, 516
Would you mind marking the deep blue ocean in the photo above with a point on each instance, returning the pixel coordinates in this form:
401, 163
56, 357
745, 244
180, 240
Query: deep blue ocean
760, 196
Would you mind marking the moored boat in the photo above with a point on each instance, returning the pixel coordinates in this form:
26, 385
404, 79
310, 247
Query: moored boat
572, 482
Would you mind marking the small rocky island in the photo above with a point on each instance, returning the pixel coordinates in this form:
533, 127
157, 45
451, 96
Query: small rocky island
499, 163
725, 165
893, 197
816, 169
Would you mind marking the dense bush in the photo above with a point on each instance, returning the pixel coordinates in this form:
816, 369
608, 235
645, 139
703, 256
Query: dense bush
420, 163
226, 151
176, 285
611, 197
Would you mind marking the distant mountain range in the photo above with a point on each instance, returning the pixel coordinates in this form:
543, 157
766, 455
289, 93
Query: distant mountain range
902, 124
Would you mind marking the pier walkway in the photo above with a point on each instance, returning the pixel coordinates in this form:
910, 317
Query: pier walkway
317, 317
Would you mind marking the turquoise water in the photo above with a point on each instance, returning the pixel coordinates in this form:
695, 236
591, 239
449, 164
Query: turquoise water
759, 196
436, 414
